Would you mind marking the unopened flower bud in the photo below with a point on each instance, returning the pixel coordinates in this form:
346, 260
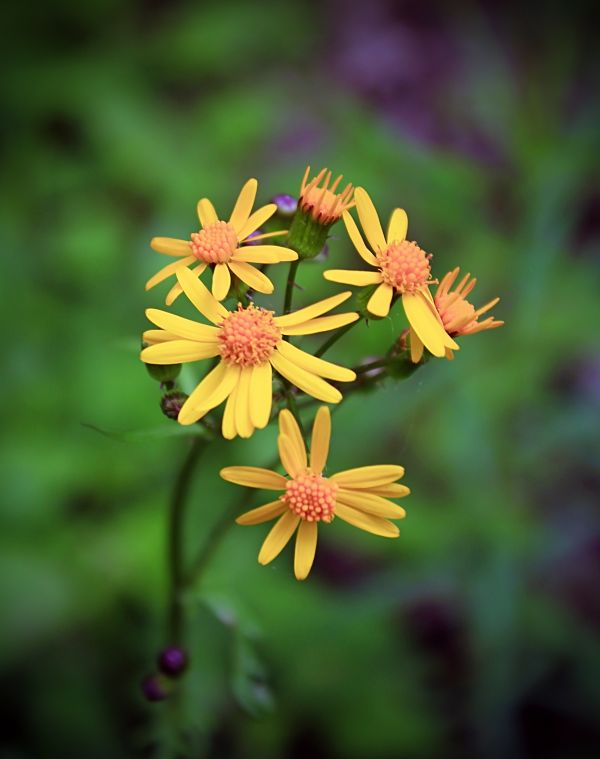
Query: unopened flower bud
164, 373
153, 688
171, 403
172, 661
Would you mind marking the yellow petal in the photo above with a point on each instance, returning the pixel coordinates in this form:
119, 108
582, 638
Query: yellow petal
254, 477
200, 297
398, 226
416, 347
228, 428
243, 205
178, 352
322, 324
315, 365
261, 395
293, 463
168, 271
221, 281
369, 219
366, 522
379, 302
176, 290
302, 379
185, 328
212, 390
288, 426
357, 240
256, 219
368, 476
389, 491
279, 537
243, 424
306, 546
356, 278
319, 442
310, 312
153, 336
206, 212
262, 513
251, 276
428, 329
264, 254
371, 504
170, 246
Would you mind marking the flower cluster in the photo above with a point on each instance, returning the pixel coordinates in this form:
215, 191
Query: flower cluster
258, 374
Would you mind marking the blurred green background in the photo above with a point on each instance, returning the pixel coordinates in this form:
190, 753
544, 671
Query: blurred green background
473, 635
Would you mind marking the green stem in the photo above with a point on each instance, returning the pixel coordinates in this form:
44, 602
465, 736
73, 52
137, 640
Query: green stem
379, 364
289, 289
336, 336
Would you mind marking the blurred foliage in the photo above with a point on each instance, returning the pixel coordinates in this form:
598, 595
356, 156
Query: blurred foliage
476, 633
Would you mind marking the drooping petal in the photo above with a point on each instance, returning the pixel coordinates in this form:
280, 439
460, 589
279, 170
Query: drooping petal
366, 522
398, 226
356, 278
357, 239
306, 546
288, 426
416, 347
369, 219
262, 513
293, 463
304, 380
371, 504
206, 213
279, 537
178, 352
254, 477
321, 324
177, 289
170, 246
251, 276
243, 205
256, 220
368, 476
221, 281
379, 302
425, 325
261, 395
212, 390
264, 254
310, 312
168, 271
315, 365
319, 442
200, 297
243, 423
181, 327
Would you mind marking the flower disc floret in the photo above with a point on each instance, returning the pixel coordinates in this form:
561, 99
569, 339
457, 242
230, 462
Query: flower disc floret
248, 336
405, 266
215, 244
311, 497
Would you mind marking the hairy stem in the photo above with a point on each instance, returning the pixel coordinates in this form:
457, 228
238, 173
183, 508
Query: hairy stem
289, 289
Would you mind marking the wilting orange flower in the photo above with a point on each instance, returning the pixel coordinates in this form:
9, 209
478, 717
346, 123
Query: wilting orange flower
402, 268
458, 316
250, 342
221, 244
324, 203
357, 496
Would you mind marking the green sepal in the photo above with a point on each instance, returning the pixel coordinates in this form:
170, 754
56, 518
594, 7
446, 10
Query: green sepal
306, 236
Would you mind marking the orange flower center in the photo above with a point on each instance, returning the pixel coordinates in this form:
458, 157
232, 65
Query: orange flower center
405, 266
248, 336
311, 497
322, 201
456, 313
215, 244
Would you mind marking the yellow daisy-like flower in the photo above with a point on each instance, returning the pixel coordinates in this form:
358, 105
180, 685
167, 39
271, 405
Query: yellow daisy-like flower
250, 342
324, 203
402, 267
458, 316
357, 496
221, 244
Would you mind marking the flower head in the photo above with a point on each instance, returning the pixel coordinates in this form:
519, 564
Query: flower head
250, 343
321, 200
230, 247
457, 314
308, 497
402, 269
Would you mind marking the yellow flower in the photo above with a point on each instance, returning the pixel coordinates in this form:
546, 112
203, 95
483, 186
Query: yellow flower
402, 267
221, 244
250, 342
357, 496
458, 316
324, 204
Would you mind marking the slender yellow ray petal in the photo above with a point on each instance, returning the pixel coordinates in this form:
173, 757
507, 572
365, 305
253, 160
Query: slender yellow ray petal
153, 336
251, 276
185, 328
279, 537
200, 297
206, 212
288, 426
366, 522
168, 271
315, 365
322, 324
176, 290
356, 278
221, 281
369, 219
254, 477
262, 513
265, 235
319, 442
306, 546
310, 312
243, 205
429, 330
170, 246
243, 423
178, 352
213, 389
371, 504
228, 428
255, 220
388, 491
379, 302
416, 347
264, 254
302, 379
368, 476
261, 395
398, 226
357, 240
427, 297
288, 453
